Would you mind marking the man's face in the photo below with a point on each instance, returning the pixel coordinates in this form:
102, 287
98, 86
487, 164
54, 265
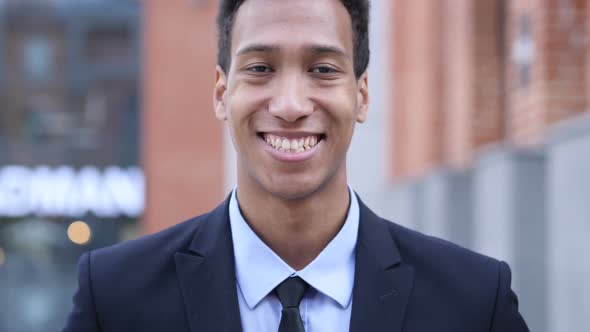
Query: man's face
290, 97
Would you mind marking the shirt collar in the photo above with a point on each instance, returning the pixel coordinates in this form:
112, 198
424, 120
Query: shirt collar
259, 270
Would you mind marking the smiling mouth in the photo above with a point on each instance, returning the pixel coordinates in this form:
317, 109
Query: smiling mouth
293, 144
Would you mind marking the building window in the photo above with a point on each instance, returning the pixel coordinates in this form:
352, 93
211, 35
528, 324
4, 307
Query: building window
523, 51
38, 56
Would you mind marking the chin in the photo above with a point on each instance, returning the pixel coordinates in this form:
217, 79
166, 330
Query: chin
293, 194
295, 189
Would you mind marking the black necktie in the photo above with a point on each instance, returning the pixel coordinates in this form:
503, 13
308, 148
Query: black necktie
290, 292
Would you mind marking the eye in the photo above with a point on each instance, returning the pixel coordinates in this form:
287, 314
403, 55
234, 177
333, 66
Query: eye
323, 70
259, 69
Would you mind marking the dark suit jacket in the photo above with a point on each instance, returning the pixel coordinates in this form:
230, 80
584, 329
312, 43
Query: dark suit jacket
183, 279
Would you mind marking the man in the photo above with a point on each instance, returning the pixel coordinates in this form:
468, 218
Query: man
292, 248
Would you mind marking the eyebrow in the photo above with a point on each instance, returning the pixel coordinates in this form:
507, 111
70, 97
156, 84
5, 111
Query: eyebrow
320, 49
256, 48
316, 49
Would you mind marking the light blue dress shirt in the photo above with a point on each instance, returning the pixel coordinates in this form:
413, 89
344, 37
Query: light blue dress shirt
326, 306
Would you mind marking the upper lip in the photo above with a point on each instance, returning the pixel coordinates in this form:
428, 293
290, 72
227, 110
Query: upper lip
291, 134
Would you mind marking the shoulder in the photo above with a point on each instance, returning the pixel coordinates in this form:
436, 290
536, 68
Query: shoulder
143, 269
420, 249
135, 262
449, 276
433, 259
470, 286
440, 262
162, 243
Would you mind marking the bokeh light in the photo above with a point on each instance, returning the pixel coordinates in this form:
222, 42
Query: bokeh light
79, 232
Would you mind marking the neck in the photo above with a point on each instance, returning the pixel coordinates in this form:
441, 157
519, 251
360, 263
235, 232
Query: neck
297, 230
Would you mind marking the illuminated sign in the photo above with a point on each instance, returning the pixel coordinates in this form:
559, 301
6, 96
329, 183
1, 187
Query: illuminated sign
67, 192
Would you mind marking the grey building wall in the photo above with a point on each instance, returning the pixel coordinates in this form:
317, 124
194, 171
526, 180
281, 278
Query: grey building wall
531, 209
497, 209
569, 226
403, 205
509, 222
447, 206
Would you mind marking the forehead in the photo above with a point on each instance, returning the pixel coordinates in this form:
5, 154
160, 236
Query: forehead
292, 24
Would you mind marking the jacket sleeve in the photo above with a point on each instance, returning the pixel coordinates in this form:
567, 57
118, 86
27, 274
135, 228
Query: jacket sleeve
83, 317
506, 317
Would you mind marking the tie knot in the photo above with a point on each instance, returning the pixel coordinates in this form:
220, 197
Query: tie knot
291, 291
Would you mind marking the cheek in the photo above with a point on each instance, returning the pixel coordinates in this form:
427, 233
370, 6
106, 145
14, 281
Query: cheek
244, 101
237, 110
342, 112
243, 107
342, 108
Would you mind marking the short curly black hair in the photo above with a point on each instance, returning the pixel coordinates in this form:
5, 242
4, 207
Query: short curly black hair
359, 14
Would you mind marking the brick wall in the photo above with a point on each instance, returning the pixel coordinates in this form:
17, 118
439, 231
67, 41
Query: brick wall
554, 87
472, 73
182, 141
473, 78
417, 70
459, 80
489, 55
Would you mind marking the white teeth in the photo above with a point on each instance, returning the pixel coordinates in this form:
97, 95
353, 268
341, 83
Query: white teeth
313, 141
291, 145
286, 145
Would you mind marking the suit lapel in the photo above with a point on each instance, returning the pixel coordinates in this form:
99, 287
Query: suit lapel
206, 276
383, 283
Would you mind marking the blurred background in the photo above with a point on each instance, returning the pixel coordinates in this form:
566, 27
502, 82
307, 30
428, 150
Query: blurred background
478, 132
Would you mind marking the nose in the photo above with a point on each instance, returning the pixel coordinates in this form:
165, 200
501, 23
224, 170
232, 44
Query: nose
290, 101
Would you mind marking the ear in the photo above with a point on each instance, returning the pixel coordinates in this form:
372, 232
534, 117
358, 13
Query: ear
362, 98
219, 94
